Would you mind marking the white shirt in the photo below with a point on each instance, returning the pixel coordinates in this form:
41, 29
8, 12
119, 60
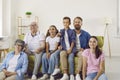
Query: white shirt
34, 42
13, 63
52, 42
67, 41
78, 42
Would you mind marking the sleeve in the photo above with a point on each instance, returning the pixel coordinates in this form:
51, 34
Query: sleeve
47, 39
102, 57
88, 37
23, 70
42, 37
58, 39
85, 53
3, 65
73, 36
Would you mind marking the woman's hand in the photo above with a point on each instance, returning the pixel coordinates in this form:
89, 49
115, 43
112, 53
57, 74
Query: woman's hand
7, 73
95, 78
58, 34
10, 73
4, 70
48, 55
59, 47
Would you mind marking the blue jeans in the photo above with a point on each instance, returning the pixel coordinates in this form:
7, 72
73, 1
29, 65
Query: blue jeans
66, 59
91, 76
48, 65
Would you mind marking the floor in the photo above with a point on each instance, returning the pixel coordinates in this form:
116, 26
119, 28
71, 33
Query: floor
112, 67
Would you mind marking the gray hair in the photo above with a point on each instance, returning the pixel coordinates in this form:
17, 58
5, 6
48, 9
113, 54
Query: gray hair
20, 42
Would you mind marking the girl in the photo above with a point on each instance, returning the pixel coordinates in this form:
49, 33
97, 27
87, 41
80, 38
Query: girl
93, 61
50, 58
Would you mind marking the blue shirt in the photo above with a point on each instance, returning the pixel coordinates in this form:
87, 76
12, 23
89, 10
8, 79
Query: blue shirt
84, 39
21, 67
71, 38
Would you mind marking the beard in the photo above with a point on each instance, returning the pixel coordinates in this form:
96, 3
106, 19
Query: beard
77, 27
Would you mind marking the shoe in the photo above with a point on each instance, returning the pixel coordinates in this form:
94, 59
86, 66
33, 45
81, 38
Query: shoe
56, 71
65, 77
77, 77
52, 78
71, 77
44, 77
33, 77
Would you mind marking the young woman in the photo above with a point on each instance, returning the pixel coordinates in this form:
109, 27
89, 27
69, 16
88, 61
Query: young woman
93, 62
51, 57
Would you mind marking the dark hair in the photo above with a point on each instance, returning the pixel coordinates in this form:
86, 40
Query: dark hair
98, 51
78, 18
67, 18
48, 34
21, 42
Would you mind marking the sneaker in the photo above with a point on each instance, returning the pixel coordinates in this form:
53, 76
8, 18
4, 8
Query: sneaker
77, 77
44, 77
56, 71
65, 77
71, 77
33, 77
52, 78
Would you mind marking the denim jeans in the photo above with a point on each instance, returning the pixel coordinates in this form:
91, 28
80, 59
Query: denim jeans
48, 65
91, 76
66, 59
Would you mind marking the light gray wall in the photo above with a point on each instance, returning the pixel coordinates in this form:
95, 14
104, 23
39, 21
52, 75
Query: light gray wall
0, 17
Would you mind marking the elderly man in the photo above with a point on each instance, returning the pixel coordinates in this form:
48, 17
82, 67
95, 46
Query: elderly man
35, 41
82, 39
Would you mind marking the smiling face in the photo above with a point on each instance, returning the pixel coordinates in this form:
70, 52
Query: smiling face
93, 43
77, 23
66, 23
33, 27
18, 47
52, 30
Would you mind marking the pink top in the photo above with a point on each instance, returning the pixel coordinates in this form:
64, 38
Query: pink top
92, 62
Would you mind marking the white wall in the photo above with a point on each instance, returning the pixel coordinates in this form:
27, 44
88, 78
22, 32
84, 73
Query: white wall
93, 13
0, 17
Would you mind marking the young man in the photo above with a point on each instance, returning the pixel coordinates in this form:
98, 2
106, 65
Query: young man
82, 39
67, 42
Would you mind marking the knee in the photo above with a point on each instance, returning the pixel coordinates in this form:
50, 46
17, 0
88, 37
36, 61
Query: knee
63, 54
79, 54
88, 78
103, 77
52, 56
71, 58
44, 56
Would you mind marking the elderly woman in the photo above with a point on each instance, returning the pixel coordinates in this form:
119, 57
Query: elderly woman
15, 64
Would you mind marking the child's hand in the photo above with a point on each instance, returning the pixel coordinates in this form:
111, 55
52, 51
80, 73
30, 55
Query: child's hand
48, 55
59, 47
58, 34
69, 51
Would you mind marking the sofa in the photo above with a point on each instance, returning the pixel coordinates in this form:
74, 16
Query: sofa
31, 57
